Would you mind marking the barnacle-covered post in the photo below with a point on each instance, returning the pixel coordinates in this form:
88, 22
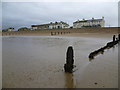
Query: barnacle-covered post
119, 37
51, 33
113, 38
68, 67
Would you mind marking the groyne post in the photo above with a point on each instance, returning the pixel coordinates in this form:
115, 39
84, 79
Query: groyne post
113, 38
68, 67
119, 37
51, 33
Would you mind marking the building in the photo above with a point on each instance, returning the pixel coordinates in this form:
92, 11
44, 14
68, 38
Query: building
23, 29
56, 25
89, 23
8, 29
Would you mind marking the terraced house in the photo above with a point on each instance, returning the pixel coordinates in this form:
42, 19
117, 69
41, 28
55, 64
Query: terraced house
89, 23
56, 25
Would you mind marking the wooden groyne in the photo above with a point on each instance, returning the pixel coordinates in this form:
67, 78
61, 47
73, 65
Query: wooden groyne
59, 33
108, 45
45, 32
68, 66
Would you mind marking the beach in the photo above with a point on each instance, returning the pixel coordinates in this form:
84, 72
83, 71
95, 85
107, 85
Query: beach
36, 61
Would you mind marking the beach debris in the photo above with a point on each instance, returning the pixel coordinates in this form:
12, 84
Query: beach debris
68, 67
101, 50
95, 83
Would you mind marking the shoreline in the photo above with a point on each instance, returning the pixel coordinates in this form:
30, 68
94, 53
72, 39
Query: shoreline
62, 32
99, 35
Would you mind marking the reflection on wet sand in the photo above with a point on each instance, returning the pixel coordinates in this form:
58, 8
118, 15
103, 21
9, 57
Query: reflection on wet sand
69, 80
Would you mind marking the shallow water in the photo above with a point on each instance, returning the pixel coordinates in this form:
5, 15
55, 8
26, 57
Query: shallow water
37, 62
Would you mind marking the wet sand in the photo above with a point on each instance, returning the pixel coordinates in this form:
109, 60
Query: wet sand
37, 62
0, 62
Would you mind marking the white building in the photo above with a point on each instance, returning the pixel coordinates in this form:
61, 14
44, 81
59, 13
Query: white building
8, 29
89, 23
56, 25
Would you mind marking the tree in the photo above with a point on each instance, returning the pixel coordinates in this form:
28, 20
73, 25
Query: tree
23, 29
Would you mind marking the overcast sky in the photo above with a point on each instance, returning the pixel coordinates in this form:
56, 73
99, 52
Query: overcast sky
25, 14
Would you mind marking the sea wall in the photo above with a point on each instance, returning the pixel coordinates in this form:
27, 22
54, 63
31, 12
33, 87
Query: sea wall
63, 31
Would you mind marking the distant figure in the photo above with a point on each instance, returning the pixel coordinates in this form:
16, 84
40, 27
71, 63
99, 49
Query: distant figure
113, 38
69, 60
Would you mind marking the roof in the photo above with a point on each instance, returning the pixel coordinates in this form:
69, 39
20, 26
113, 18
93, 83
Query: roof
40, 25
61, 22
95, 20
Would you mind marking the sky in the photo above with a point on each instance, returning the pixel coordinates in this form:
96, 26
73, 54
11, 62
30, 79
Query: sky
25, 14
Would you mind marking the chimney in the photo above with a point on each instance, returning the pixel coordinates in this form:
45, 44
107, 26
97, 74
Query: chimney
83, 19
102, 17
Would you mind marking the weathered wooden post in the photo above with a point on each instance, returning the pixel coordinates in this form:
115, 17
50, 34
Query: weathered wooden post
51, 33
113, 38
68, 67
119, 37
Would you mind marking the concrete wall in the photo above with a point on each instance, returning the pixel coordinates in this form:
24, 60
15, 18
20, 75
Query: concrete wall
63, 31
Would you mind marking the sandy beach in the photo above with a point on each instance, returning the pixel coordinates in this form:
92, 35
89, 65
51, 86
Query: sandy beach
59, 44
37, 61
0, 61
